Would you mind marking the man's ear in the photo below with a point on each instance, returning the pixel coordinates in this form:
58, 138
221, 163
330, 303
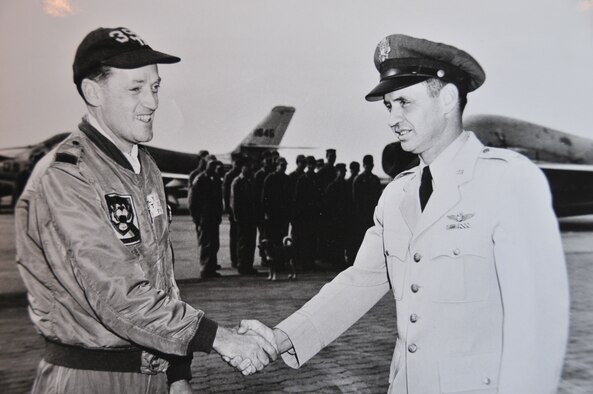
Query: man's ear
449, 97
91, 91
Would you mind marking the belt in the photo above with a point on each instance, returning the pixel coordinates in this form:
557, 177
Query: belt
76, 357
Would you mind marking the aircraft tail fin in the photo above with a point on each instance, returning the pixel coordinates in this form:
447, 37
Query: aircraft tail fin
269, 132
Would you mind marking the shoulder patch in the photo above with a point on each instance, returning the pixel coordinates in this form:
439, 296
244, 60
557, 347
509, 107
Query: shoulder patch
123, 217
64, 157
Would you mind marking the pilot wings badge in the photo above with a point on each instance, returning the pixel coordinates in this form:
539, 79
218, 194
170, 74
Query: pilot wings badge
460, 220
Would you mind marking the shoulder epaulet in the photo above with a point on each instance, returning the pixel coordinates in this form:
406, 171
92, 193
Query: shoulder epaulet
500, 154
403, 174
68, 151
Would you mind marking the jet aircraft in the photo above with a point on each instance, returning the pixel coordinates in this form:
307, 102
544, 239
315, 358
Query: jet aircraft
565, 159
175, 166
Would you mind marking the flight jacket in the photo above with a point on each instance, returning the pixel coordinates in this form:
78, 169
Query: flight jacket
94, 252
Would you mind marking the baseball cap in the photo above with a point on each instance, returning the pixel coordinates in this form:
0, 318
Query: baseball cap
404, 61
115, 47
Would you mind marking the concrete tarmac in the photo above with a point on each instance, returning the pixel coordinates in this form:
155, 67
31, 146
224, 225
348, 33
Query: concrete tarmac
357, 362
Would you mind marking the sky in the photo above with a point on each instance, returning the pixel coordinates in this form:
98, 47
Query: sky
240, 58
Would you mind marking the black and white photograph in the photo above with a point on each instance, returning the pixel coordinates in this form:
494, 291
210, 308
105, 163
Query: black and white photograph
269, 196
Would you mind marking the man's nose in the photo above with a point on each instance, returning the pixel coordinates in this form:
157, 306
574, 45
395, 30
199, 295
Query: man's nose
395, 116
150, 100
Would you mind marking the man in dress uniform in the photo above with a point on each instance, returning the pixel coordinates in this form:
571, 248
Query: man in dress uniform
467, 242
93, 246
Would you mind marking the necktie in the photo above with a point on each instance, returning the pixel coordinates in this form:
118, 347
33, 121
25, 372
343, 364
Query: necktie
425, 187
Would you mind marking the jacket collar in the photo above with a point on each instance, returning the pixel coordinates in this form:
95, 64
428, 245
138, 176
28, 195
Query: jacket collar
459, 171
104, 144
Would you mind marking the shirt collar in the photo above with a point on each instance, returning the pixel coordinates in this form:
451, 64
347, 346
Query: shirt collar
132, 157
439, 167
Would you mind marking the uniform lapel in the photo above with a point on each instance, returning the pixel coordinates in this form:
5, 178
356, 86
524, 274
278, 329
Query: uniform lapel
410, 205
449, 192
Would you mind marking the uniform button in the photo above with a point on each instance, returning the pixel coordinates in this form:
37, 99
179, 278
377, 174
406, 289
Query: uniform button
417, 257
412, 348
386, 253
487, 381
415, 288
486, 150
413, 318
456, 252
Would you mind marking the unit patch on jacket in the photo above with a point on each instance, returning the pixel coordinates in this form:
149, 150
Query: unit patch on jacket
122, 216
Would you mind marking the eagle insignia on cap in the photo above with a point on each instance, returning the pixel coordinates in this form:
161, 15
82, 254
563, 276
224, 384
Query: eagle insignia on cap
384, 49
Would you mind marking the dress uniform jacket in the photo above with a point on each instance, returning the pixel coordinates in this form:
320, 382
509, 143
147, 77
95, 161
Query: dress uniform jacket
479, 280
94, 252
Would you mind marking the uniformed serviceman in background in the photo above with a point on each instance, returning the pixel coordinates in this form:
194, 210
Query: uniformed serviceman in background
338, 211
93, 245
243, 202
353, 241
307, 208
301, 165
467, 239
325, 176
227, 181
276, 204
366, 190
205, 206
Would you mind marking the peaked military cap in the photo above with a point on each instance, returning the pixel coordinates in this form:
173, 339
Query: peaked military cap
404, 61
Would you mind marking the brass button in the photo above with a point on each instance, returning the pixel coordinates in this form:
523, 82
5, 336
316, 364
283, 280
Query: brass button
417, 257
386, 253
415, 288
487, 381
456, 252
486, 150
413, 318
412, 348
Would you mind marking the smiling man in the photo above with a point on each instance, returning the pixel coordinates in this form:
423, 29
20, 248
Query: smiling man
467, 242
93, 247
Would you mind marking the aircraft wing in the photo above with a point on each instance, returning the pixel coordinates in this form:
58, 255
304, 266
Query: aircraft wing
571, 186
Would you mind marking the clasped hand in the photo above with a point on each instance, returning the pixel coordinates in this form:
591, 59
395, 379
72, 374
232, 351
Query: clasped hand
249, 348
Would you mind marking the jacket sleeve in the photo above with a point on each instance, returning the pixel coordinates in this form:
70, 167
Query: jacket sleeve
104, 277
340, 303
534, 287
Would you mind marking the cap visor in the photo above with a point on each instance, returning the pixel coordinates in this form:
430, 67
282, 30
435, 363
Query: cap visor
140, 58
393, 84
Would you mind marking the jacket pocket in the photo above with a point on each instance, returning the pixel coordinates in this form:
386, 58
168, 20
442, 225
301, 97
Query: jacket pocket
462, 274
469, 374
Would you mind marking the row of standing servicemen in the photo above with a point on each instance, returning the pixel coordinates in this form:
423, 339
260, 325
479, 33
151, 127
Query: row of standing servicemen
325, 214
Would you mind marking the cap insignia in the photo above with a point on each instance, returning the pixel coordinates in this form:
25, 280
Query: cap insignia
384, 50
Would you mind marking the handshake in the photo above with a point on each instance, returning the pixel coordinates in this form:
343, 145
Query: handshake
251, 346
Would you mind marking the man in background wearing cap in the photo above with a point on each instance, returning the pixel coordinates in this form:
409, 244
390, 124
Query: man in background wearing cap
93, 247
467, 241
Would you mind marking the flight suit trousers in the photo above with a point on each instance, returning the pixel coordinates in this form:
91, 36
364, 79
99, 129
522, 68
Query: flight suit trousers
54, 379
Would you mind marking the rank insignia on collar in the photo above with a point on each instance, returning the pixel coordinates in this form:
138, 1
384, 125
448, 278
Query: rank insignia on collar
384, 50
123, 218
461, 220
